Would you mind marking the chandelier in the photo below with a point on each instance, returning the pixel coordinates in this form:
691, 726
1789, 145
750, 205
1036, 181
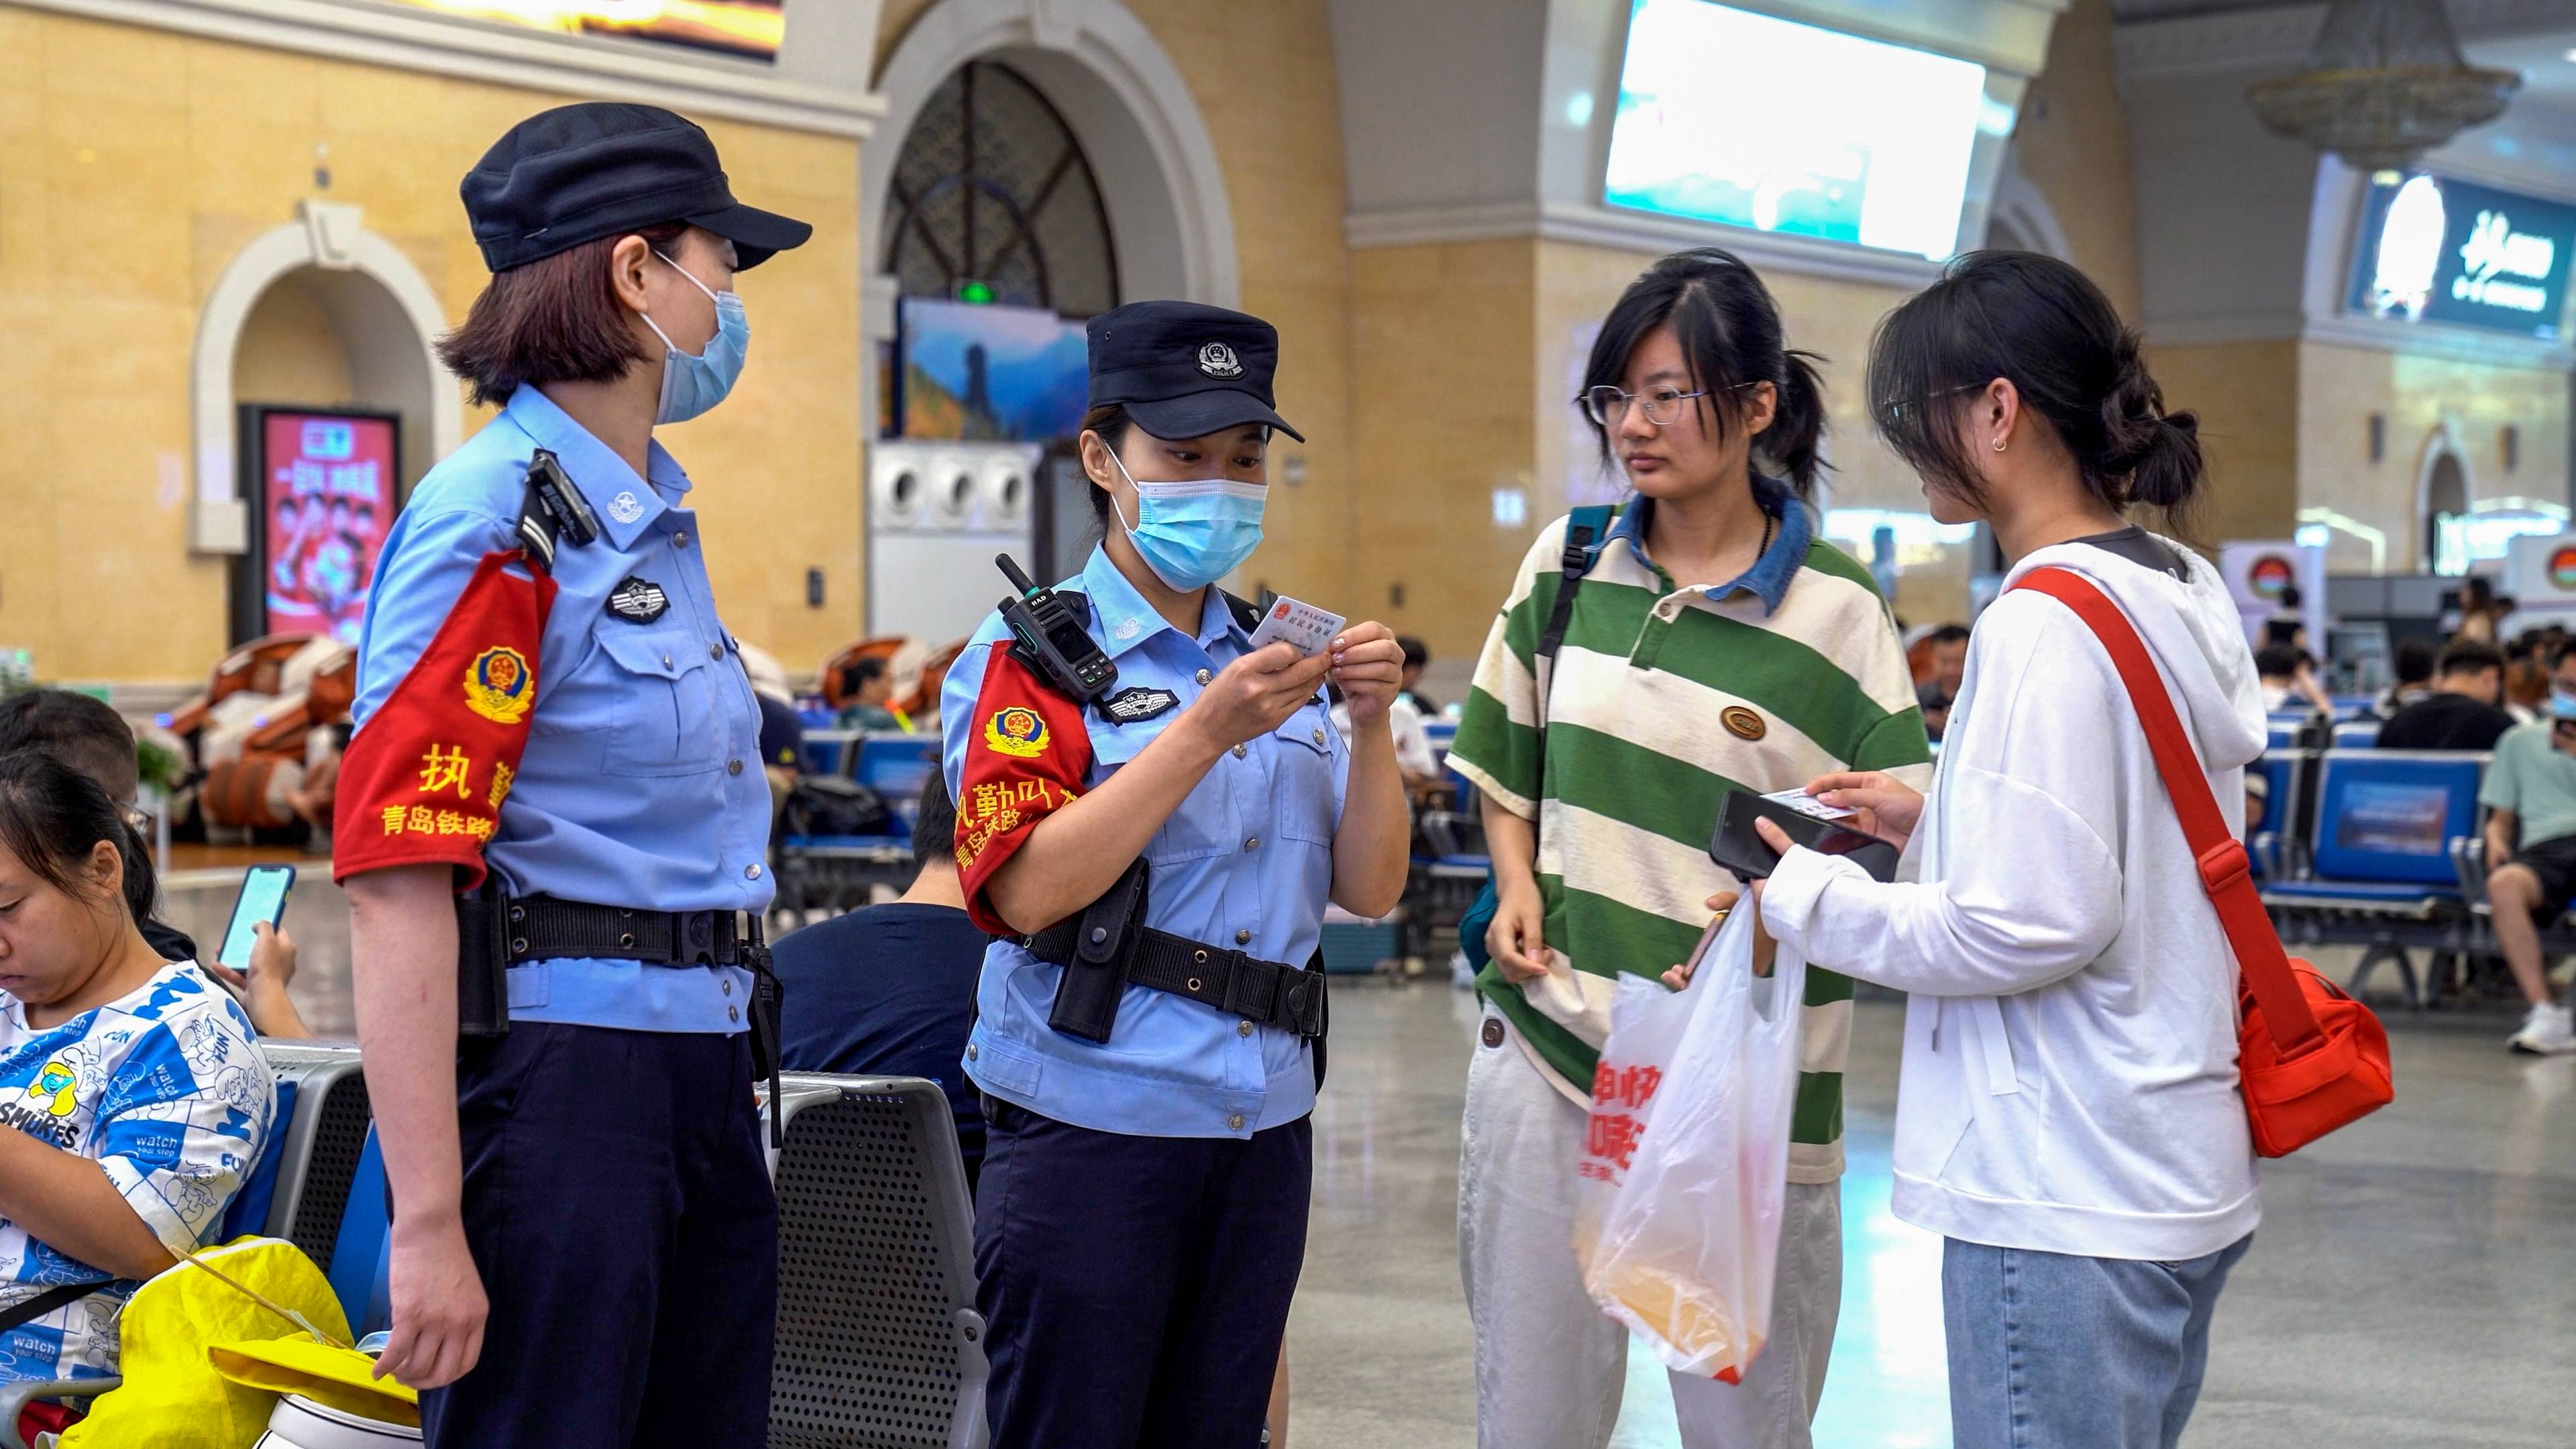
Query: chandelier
2384, 83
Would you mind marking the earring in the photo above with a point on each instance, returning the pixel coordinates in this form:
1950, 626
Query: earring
1999, 444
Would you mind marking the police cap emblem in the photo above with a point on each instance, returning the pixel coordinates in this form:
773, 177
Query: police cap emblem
1218, 360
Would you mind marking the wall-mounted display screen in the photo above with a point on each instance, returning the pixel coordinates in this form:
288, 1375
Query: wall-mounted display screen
745, 27
1751, 120
323, 495
2437, 250
989, 374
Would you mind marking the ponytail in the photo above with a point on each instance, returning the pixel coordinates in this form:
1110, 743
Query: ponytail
1795, 440
2156, 452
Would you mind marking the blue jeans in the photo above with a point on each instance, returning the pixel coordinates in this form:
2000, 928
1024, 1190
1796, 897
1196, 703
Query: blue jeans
2049, 1351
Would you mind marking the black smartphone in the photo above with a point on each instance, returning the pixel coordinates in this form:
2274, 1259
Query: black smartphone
262, 898
1740, 850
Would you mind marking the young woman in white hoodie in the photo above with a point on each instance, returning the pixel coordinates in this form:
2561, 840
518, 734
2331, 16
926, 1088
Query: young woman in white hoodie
2067, 1115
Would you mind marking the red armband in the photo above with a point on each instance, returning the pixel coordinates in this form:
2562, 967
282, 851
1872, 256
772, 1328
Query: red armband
1028, 756
423, 779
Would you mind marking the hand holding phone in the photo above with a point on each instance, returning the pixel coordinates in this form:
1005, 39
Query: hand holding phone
1740, 849
262, 898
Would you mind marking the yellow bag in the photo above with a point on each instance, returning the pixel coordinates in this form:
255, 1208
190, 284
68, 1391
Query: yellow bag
173, 1398
337, 1378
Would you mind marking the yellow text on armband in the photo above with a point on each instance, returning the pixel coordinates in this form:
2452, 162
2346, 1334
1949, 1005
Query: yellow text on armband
445, 767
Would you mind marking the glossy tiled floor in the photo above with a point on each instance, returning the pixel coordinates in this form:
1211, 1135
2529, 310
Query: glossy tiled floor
2414, 1283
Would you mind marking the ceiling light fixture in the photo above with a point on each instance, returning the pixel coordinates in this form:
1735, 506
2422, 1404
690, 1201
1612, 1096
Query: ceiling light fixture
2384, 83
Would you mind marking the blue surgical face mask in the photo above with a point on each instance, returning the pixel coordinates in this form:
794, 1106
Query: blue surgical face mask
1193, 534
691, 385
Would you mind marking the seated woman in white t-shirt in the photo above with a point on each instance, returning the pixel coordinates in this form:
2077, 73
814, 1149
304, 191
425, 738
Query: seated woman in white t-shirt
133, 1099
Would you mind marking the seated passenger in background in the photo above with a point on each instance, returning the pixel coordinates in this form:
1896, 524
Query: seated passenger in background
869, 686
890, 991
1417, 657
2288, 683
2463, 712
2530, 791
85, 733
132, 1100
2414, 666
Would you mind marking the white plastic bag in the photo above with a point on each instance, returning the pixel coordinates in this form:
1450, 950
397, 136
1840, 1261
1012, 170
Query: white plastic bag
1686, 1157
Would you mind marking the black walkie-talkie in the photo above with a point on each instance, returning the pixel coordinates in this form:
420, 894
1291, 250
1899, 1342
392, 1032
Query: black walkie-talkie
1049, 639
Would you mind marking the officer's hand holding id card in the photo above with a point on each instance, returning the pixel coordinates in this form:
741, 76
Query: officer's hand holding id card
1300, 626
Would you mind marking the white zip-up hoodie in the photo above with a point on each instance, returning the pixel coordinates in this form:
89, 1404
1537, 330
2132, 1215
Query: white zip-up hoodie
2069, 1078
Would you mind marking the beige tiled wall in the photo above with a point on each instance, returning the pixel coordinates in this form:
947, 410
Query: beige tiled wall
2072, 143
139, 164
2247, 396
2340, 387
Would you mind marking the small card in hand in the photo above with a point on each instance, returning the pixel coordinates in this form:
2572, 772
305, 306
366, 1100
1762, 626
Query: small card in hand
1302, 627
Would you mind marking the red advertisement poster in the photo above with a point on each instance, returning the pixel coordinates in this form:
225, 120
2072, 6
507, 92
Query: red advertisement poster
328, 502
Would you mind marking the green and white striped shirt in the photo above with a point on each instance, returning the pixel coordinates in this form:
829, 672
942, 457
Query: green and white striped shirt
1665, 699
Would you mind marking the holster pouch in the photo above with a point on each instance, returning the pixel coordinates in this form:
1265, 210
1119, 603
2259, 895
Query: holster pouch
482, 963
767, 995
1087, 995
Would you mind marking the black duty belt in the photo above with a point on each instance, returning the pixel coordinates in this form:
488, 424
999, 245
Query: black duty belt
1265, 993
496, 932
540, 928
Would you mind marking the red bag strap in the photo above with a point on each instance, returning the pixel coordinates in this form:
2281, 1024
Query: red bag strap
2225, 871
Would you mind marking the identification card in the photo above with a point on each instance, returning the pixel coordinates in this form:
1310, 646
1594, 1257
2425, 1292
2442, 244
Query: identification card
1808, 805
1302, 627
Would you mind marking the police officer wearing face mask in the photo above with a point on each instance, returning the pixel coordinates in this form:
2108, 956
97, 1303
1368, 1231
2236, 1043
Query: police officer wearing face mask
552, 825
1157, 856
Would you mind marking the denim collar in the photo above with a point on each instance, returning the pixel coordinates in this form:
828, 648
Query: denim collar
625, 505
1768, 579
1120, 617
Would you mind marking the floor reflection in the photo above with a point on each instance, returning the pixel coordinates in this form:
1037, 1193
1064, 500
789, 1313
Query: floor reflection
2410, 1288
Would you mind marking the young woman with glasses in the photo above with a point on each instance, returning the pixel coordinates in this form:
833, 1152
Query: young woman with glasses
1714, 645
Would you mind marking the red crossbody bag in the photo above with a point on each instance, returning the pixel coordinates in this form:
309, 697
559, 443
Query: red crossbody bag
2309, 1058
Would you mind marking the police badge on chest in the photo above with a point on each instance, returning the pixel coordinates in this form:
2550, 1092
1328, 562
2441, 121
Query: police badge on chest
638, 601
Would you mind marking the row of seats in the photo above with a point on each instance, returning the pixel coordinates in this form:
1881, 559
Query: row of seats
2375, 848
878, 1340
831, 871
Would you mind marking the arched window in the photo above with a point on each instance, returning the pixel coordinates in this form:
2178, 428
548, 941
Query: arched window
992, 192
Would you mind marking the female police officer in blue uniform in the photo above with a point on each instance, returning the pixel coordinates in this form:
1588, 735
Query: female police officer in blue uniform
584, 1236
1142, 1214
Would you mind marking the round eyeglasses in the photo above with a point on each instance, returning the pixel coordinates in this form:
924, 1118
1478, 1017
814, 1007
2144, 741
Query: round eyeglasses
1608, 406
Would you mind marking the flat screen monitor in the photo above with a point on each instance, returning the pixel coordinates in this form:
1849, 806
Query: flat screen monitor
743, 27
1730, 116
2434, 249
323, 490
989, 373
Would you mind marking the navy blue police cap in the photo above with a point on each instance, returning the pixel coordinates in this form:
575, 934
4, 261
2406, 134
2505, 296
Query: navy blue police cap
604, 168
1182, 370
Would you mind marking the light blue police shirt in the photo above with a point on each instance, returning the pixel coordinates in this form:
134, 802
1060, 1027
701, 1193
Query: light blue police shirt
641, 785
1245, 862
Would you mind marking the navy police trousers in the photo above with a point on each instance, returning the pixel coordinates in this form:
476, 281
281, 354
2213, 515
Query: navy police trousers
618, 1204
1136, 1287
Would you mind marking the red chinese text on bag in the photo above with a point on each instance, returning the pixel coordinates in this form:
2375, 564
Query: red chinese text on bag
2310, 1059
1685, 1166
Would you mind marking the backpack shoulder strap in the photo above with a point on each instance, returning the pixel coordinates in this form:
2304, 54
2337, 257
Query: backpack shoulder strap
1585, 528
2225, 872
